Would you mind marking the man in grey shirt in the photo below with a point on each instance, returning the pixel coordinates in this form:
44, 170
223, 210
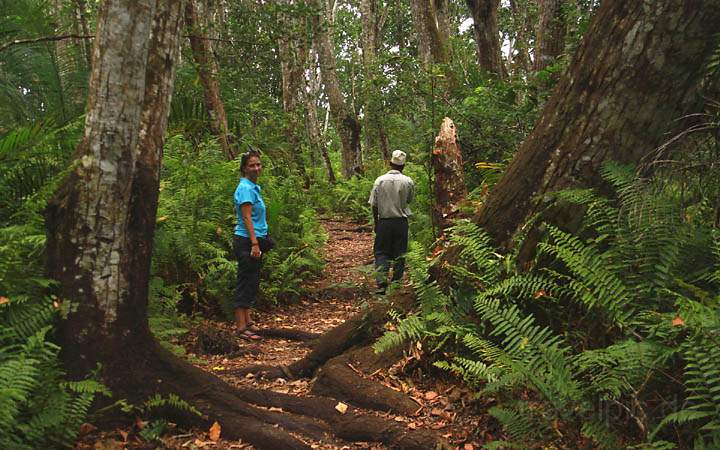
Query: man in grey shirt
389, 199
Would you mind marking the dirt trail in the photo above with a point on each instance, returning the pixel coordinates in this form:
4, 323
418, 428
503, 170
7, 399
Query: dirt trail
337, 295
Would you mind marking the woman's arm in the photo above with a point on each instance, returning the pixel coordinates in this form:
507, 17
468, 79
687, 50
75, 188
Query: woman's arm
246, 212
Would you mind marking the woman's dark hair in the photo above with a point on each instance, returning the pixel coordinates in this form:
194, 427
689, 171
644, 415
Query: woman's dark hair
245, 157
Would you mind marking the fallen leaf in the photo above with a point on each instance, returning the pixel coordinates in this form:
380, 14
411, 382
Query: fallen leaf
124, 434
412, 425
200, 444
468, 446
4, 300
678, 322
437, 412
399, 419
438, 425
109, 444
341, 407
214, 432
139, 423
87, 428
218, 368
536, 296
431, 395
275, 409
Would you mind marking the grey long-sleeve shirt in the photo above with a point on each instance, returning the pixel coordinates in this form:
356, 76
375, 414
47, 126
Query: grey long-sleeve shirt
391, 194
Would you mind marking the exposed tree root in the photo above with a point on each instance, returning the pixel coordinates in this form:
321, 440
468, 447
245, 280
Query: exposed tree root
360, 329
289, 334
353, 425
342, 377
242, 415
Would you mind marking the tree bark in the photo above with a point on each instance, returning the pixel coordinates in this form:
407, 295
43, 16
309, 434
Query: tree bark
344, 119
431, 39
550, 34
159, 85
635, 74
87, 217
449, 184
487, 35
208, 69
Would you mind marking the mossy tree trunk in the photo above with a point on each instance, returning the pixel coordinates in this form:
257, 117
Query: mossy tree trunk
635, 74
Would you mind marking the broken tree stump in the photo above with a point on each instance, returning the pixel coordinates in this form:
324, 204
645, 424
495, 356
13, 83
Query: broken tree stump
449, 186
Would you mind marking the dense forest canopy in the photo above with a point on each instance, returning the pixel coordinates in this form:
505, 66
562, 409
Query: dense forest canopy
564, 264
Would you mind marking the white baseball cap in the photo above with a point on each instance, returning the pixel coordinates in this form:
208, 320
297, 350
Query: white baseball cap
398, 158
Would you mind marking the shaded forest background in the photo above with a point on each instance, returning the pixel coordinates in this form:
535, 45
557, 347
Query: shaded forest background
595, 319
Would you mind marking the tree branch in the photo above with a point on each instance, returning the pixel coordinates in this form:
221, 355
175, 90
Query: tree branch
7, 45
43, 39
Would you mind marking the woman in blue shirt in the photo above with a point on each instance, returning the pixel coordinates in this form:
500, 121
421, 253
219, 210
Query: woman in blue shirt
250, 230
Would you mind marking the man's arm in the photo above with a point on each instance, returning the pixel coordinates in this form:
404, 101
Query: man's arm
411, 192
376, 217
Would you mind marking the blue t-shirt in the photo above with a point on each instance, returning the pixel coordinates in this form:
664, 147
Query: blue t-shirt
249, 192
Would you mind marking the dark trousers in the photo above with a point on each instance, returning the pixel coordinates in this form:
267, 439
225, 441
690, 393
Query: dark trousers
248, 273
391, 242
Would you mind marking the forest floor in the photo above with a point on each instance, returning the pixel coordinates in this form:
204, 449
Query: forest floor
345, 284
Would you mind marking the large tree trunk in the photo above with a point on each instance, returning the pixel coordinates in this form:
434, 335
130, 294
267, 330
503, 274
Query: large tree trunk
634, 75
431, 38
87, 217
207, 68
550, 34
159, 84
374, 126
487, 36
344, 119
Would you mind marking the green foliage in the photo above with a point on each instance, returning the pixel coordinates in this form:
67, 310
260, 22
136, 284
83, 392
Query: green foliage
606, 318
37, 408
196, 219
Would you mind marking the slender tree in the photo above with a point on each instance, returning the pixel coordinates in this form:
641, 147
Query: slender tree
293, 52
520, 57
311, 91
208, 70
432, 41
374, 127
346, 122
550, 34
487, 36
634, 75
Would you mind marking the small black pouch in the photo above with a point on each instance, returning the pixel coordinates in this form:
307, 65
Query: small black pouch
266, 243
